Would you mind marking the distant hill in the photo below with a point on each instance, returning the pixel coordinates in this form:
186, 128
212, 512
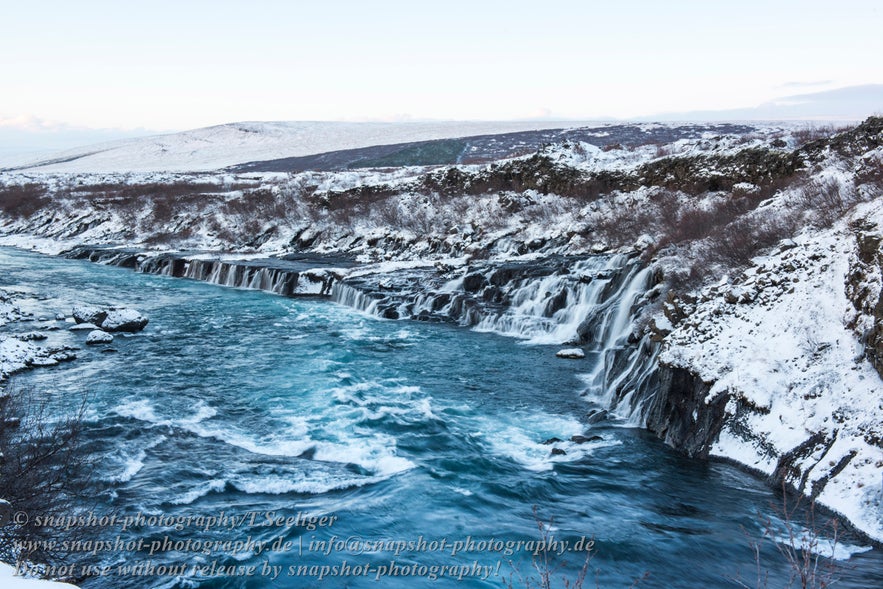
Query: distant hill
486, 148
222, 146
853, 103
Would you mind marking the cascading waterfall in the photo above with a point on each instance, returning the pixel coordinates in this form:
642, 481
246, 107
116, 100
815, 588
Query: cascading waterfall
252, 276
271, 275
590, 302
353, 297
563, 307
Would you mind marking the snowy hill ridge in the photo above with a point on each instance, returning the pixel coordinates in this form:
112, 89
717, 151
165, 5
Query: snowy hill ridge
216, 147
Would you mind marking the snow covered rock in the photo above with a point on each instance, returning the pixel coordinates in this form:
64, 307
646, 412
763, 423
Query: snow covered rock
63, 354
124, 320
98, 337
109, 320
571, 354
83, 327
32, 336
15, 355
86, 314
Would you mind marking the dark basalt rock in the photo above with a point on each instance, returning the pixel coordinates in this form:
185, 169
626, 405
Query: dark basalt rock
556, 303
584, 439
867, 263
682, 394
596, 416
474, 282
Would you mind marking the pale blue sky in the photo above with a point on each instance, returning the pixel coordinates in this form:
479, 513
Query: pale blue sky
181, 64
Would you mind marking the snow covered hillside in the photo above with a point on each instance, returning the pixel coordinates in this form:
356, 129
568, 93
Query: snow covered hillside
745, 268
216, 147
801, 401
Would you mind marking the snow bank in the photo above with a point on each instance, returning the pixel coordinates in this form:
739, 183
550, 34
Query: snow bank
8, 580
15, 355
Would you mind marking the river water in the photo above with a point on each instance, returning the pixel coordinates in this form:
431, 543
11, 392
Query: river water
260, 406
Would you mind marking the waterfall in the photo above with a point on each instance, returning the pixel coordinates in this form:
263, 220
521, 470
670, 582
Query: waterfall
272, 275
590, 302
586, 303
353, 297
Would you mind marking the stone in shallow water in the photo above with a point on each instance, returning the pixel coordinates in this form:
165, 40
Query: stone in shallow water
63, 356
43, 361
85, 314
32, 336
583, 439
124, 320
98, 337
128, 320
571, 354
551, 441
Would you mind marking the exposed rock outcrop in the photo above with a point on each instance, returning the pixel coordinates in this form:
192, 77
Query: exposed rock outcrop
863, 288
681, 414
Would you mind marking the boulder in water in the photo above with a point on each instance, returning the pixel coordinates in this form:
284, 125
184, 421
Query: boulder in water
108, 319
64, 355
83, 327
583, 439
86, 314
571, 354
98, 337
32, 336
124, 320
596, 416
551, 441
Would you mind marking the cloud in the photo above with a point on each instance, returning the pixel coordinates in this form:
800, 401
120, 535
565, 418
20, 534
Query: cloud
32, 123
807, 84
